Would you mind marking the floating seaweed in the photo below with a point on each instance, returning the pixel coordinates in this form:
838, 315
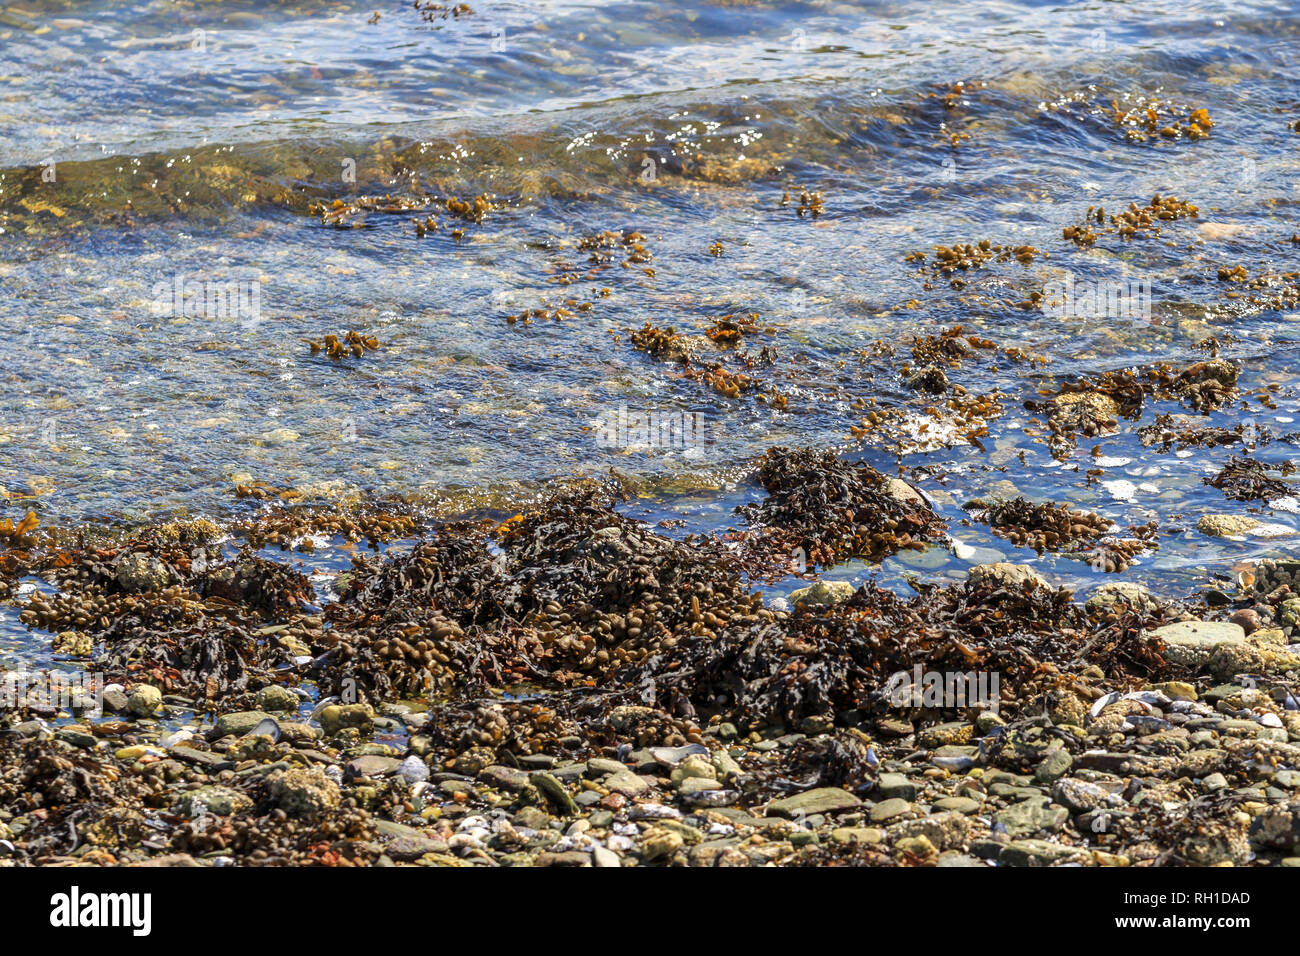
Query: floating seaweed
1248, 479
1058, 527
1135, 222
353, 343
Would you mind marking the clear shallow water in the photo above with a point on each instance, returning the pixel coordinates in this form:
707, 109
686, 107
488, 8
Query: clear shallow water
189, 140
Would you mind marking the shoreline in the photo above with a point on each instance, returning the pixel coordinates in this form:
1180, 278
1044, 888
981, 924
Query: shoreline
569, 687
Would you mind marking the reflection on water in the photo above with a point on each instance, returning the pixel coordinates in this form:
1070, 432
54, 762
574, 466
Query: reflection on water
639, 164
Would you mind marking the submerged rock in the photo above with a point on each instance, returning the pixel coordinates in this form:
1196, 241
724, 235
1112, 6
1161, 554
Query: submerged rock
823, 592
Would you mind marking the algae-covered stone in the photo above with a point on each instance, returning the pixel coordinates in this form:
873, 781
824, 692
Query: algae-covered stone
274, 697
1192, 643
944, 830
1230, 659
304, 792
820, 800
240, 722
554, 792
1004, 574
1040, 853
823, 592
144, 701
1226, 526
1031, 816
338, 717
940, 735
138, 572
1121, 592
73, 643
217, 800
916, 845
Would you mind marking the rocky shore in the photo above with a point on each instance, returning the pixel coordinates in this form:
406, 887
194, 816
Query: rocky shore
569, 687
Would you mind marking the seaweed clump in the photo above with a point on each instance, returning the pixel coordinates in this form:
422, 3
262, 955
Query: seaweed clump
353, 343
1248, 479
1058, 527
1135, 222
835, 510
1207, 385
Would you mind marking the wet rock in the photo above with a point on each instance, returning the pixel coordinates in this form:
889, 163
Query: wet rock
1192, 643
890, 785
626, 783
888, 809
144, 701
964, 805
404, 843
850, 835
1004, 574
337, 717
693, 766
1079, 796
599, 766
168, 860
1040, 853
413, 770
894, 727
604, 857
304, 792
1226, 526
273, 697
944, 830
76, 736
1247, 619
1217, 843
563, 858
823, 592
239, 723
138, 572
373, 765
659, 843
1176, 690
820, 800
1276, 827
115, 700
672, 756
1056, 764
1031, 816
1105, 597
504, 778
213, 799
554, 792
